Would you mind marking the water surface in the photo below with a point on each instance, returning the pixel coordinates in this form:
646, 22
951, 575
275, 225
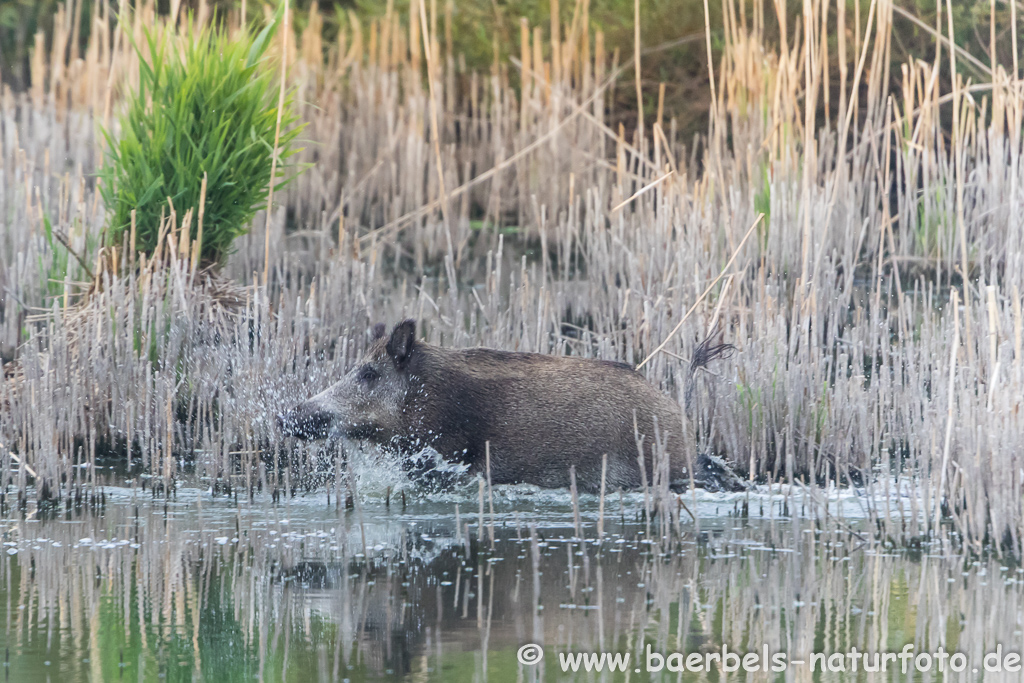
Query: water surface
204, 588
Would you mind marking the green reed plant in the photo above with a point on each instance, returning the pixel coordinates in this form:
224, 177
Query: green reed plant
209, 107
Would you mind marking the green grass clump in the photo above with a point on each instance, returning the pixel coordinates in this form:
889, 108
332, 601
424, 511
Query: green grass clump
211, 108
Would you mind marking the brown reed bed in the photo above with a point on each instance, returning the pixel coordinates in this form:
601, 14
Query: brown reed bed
876, 310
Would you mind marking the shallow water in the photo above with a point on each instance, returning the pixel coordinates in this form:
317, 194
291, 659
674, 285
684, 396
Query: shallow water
201, 588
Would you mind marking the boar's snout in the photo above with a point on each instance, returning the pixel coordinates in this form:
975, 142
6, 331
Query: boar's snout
305, 422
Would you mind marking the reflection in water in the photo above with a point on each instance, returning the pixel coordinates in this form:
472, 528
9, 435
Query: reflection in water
209, 590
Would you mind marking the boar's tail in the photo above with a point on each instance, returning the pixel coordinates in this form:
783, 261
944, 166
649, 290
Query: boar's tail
709, 350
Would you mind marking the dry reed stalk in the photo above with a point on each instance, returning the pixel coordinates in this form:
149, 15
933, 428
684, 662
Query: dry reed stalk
458, 526
480, 513
637, 73
574, 495
642, 191
277, 136
429, 44
490, 493
197, 247
950, 401
728, 263
600, 505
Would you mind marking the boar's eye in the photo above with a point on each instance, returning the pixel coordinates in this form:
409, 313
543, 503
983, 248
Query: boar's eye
367, 375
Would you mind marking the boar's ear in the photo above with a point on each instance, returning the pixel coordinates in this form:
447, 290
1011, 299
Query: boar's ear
378, 331
403, 337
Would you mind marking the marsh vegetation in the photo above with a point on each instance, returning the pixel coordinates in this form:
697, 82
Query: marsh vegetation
853, 225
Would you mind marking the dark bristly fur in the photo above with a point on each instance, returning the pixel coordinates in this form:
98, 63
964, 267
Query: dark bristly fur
541, 414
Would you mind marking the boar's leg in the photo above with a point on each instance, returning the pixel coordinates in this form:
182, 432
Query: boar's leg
430, 471
334, 451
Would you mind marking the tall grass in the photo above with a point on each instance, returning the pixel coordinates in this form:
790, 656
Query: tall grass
204, 119
856, 362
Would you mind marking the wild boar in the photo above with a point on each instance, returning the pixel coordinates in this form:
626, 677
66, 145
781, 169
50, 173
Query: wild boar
539, 414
